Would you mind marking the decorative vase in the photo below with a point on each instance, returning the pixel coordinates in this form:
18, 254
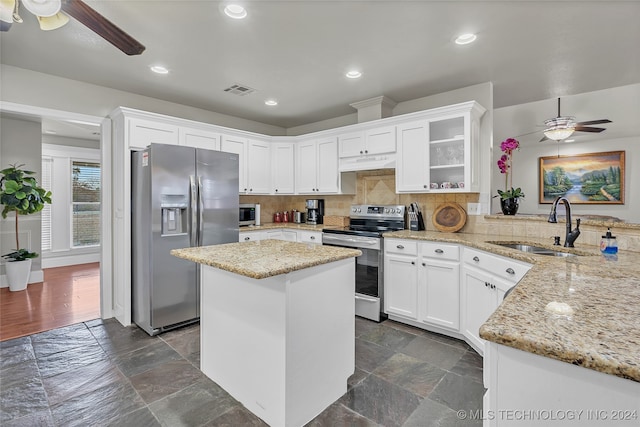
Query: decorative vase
18, 274
509, 206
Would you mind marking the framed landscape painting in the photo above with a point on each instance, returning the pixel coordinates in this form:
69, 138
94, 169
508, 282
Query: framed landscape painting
593, 178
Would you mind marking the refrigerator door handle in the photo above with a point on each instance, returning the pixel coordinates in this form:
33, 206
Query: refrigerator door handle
200, 213
193, 202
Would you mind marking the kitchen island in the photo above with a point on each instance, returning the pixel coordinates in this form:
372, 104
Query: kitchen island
277, 324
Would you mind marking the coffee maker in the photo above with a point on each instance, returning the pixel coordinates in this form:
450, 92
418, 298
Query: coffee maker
315, 211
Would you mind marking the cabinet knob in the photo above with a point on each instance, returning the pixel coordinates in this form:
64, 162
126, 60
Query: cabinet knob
276, 190
439, 251
247, 238
251, 189
486, 284
413, 263
313, 237
493, 286
476, 259
360, 151
245, 189
366, 151
424, 265
400, 247
424, 186
510, 270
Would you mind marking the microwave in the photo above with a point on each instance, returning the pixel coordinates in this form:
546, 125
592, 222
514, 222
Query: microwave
247, 214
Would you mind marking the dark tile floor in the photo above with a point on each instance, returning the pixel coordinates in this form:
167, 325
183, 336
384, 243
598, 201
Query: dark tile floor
99, 373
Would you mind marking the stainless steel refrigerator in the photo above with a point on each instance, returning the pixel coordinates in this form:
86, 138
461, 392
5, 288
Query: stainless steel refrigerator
181, 197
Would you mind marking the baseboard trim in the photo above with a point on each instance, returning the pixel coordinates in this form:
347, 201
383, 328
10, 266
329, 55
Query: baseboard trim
36, 276
63, 261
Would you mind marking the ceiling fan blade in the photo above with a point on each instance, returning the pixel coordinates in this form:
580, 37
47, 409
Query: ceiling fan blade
588, 129
594, 122
102, 26
5, 26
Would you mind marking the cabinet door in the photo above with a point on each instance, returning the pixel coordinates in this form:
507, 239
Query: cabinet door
327, 172
145, 132
412, 171
351, 144
199, 139
380, 140
289, 235
306, 167
282, 161
273, 234
310, 237
401, 286
440, 296
258, 167
479, 301
231, 144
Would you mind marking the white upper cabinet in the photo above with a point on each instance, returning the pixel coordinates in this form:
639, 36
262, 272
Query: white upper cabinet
258, 167
351, 144
367, 149
317, 167
282, 167
232, 144
199, 138
144, 132
440, 153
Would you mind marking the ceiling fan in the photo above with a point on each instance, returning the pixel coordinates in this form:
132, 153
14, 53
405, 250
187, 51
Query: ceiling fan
52, 14
562, 127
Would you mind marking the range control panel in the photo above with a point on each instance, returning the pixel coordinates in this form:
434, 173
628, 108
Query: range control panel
377, 211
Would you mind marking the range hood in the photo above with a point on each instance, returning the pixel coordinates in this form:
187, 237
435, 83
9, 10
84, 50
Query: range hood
382, 161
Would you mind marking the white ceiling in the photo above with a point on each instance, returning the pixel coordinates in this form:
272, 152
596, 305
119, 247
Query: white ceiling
298, 51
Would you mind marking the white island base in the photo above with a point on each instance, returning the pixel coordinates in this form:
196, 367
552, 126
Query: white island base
283, 346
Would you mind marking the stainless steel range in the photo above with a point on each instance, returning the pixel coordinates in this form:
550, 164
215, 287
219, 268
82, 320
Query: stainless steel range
368, 222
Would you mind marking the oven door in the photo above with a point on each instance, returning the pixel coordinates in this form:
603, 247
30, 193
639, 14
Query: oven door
369, 274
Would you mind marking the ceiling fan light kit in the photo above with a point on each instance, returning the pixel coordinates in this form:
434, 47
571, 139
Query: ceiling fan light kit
42, 8
48, 23
562, 127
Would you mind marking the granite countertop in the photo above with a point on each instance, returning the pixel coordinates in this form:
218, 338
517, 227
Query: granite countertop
602, 331
265, 258
289, 225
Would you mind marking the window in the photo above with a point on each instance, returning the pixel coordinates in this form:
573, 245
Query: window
85, 189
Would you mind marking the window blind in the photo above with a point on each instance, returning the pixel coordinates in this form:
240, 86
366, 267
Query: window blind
85, 203
46, 183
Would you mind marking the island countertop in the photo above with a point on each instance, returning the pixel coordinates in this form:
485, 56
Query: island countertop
601, 334
265, 258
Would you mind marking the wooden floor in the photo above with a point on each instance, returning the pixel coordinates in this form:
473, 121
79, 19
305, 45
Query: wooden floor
68, 295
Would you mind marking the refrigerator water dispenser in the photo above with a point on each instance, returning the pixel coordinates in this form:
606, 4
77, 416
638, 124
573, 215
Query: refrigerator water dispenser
174, 214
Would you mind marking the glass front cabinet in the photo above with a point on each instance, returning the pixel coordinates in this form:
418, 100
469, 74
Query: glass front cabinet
440, 152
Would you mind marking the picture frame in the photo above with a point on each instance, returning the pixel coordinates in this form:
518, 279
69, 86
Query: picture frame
590, 178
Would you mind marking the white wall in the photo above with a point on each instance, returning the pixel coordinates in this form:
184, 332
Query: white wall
621, 105
61, 252
27, 87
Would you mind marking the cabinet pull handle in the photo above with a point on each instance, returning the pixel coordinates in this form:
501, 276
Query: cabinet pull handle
510, 271
400, 247
247, 238
476, 259
439, 251
493, 286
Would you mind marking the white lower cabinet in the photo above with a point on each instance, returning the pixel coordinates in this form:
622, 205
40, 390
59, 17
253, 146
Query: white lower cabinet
422, 282
485, 279
250, 236
309, 236
305, 236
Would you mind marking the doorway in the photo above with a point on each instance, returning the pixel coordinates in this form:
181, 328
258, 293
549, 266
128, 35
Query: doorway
70, 284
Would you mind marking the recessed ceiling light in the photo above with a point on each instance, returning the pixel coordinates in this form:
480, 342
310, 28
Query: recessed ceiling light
466, 38
159, 69
353, 74
271, 102
235, 11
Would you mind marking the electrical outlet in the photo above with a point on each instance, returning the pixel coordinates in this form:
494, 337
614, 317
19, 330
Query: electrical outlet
474, 208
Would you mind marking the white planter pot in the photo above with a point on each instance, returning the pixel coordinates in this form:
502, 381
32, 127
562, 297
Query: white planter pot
18, 274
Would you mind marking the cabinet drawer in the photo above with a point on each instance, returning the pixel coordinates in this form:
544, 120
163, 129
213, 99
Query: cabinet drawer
503, 267
310, 237
440, 251
249, 236
405, 247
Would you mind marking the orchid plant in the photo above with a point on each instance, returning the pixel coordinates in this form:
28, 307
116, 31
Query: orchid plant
505, 163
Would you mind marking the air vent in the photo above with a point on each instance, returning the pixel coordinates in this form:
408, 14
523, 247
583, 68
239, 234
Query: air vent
240, 90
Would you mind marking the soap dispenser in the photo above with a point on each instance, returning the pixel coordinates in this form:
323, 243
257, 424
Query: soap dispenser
608, 244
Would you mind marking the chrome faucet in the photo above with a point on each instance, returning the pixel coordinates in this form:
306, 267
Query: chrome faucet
571, 235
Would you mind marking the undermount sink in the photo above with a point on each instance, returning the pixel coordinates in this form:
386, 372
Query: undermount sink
536, 250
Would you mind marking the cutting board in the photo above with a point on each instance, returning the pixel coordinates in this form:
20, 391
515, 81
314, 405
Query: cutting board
449, 217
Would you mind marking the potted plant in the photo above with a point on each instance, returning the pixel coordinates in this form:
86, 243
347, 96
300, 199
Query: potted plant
510, 197
20, 193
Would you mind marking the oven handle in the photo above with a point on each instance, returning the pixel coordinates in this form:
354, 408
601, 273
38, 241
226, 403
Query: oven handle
340, 239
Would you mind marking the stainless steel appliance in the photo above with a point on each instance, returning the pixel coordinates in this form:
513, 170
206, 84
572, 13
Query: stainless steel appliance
367, 223
247, 214
315, 211
181, 197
